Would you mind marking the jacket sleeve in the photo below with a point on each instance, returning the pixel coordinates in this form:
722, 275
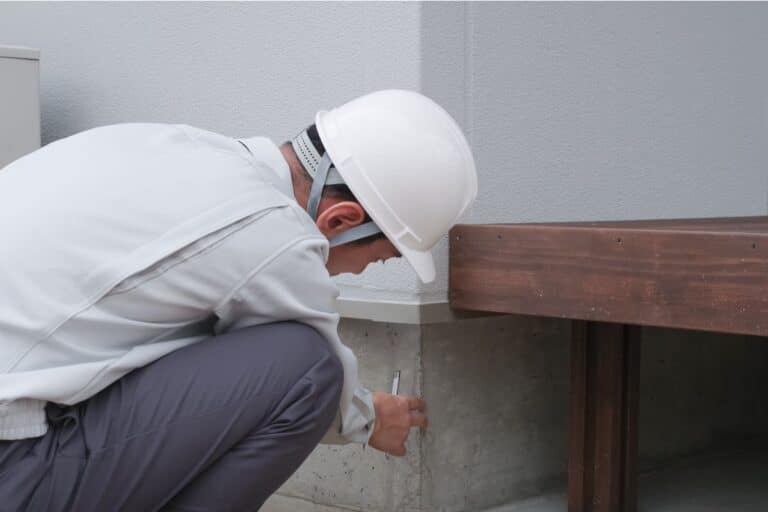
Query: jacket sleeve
294, 285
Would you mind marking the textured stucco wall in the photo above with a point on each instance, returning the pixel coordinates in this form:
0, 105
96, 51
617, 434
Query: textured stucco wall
19, 103
574, 111
605, 110
241, 69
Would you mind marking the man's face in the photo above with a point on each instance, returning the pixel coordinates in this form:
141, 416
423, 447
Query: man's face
354, 258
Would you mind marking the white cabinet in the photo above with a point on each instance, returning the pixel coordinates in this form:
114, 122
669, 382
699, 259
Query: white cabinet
19, 102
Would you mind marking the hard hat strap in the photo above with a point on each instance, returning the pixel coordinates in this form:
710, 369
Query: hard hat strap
309, 157
313, 204
356, 233
318, 183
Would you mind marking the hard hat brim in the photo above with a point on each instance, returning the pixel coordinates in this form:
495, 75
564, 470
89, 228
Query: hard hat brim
422, 262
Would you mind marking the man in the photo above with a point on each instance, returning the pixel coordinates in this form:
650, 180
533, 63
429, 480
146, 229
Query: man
168, 337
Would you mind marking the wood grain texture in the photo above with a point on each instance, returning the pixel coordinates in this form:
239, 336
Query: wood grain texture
732, 224
631, 416
602, 461
580, 429
705, 274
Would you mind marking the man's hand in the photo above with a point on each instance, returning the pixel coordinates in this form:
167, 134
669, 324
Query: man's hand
395, 415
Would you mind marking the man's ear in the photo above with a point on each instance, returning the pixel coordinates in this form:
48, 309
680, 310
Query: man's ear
340, 217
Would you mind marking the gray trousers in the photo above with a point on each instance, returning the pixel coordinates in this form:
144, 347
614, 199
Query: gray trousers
215, 426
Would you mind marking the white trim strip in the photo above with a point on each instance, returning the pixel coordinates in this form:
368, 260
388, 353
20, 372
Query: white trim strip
19, 52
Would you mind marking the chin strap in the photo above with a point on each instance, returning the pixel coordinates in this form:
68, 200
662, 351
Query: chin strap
321, 169
356, 233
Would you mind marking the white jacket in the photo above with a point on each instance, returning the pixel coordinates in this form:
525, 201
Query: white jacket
121, 244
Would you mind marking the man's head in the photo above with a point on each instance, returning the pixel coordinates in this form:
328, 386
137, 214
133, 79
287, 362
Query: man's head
338, 212
391, 163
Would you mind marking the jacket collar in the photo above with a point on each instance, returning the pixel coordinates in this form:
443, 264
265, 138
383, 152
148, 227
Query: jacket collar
266, 151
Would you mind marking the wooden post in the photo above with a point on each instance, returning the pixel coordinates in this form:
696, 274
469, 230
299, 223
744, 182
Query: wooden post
602, 474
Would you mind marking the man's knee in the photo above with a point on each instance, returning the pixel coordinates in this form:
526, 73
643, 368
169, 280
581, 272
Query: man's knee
303, 353
326, 370
307, 344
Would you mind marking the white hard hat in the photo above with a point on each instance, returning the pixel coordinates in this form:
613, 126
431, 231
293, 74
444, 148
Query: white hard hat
408, 164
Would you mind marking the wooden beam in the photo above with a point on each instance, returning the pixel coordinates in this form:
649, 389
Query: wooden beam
707, 274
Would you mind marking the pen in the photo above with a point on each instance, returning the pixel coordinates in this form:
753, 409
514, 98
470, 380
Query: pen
396, 382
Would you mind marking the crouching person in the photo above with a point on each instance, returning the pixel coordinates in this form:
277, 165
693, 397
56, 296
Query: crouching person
168, 338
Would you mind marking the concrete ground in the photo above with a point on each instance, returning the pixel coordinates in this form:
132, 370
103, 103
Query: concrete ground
734, 481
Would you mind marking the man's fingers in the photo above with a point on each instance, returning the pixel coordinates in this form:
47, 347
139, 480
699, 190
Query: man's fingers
419, 419
416, 403
399, 451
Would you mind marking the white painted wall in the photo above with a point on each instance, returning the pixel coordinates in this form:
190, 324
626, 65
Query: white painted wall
605, 110
242, 69
575, 111
19, 103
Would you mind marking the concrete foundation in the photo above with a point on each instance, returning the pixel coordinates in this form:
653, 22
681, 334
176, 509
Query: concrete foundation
497, 392
352, 477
